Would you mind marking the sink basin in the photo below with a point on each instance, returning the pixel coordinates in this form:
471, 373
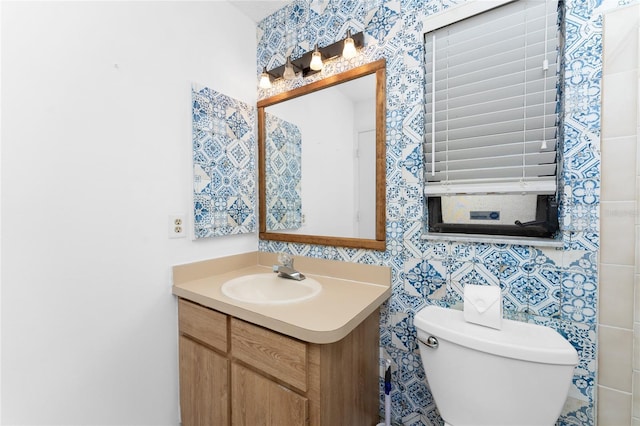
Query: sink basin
270, 289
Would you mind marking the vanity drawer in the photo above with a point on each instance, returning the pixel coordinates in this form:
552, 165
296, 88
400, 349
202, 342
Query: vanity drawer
203, 324
277, 355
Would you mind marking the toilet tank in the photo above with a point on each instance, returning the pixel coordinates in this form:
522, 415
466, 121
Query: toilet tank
517, 376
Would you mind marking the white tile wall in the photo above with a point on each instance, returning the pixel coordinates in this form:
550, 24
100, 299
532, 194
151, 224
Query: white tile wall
619, 311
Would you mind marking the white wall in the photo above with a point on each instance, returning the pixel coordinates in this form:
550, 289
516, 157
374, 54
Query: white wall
327, 186
96, 153
618, 396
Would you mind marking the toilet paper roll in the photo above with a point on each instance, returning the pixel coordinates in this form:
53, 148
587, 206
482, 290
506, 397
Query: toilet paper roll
483, 305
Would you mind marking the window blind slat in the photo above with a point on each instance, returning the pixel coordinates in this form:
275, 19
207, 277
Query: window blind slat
492, 150
531, 159
495, 128
488, 88
498, 38
532, 113
501, 19
499, 78
516, 173
494, 140
484, 59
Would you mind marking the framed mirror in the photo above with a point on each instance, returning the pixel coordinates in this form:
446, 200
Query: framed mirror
322, 161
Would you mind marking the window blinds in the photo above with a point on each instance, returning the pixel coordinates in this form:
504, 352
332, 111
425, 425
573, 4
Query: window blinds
491, 102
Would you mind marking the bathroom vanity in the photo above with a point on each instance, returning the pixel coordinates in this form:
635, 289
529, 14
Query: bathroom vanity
314, 362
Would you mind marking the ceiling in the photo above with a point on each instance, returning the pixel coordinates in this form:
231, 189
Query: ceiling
257, 10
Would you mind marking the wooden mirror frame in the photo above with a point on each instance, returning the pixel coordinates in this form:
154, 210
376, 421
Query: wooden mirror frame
379, 243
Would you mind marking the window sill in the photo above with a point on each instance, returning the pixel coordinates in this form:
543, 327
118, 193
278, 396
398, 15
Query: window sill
494, 239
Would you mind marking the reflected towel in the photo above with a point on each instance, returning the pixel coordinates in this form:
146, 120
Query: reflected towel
483, 305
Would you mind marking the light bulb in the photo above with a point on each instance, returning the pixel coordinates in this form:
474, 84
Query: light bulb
289, 72
265, 79
349, 49
316, 60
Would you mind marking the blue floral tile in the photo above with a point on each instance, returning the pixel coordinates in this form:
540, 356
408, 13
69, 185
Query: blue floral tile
394, 211
584, 339
579, 295
419, 395
296, 14
584, 218
586, 261
514, 285
437, 250
423, 279
347, 254
412, 7
412, 201
223, 164
411, 163
579, 413
382, 23
545, 292
396, 264
283, 162
413, 124
414, 243
395, 248
581, 241
395, 231
463, 252
402, 331
403, 200
585, 163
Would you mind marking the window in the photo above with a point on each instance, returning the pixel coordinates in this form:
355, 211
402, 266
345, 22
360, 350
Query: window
492, 100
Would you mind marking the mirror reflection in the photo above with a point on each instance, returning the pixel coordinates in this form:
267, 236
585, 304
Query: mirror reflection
328, 164
322, 161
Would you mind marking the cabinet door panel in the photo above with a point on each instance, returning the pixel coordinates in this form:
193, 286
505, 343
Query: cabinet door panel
275, 354
204, 393
257, 401
203, 324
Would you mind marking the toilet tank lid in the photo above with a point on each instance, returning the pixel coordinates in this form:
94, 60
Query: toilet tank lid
516, 339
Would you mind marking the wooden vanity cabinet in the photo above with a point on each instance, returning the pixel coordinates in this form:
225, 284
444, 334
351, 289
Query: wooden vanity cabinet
258, 400
204, 365
203, 385
237, 373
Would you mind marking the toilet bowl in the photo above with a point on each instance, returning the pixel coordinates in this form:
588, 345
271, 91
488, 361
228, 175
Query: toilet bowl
479, 376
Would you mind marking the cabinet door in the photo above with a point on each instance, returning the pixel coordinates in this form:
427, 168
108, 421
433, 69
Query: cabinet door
258, 401
203, 324
273, 353
204, 392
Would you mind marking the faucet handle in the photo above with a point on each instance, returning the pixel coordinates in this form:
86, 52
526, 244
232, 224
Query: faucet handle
285, 259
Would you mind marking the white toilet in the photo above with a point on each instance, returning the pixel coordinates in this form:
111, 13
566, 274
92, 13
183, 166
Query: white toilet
479, 376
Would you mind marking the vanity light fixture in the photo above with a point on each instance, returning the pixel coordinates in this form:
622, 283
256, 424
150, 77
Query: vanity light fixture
289, 70
307, 64
265, 79
349, 49
316, 60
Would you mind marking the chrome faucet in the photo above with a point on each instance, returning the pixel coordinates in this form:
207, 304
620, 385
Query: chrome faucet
286, 270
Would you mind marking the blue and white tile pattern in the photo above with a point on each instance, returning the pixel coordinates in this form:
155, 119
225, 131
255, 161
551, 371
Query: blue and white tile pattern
224, 164
554, 287
283, 159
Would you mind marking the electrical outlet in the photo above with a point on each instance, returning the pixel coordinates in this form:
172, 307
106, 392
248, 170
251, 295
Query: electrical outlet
177, 226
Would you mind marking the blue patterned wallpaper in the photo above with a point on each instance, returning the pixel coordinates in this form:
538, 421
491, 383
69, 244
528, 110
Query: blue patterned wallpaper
554, 287
224, 164
283, 152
